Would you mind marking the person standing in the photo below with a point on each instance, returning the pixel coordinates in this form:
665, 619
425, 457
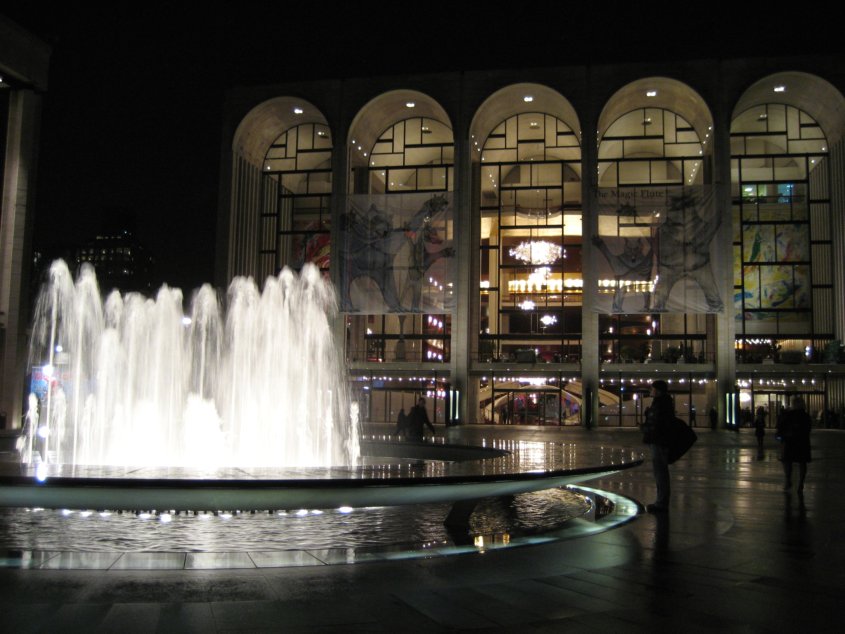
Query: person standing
658, 418
401, 423
760, 430
794, 432
417, 418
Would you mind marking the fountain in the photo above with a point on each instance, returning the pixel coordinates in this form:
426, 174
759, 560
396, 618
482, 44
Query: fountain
131, 381
138, 406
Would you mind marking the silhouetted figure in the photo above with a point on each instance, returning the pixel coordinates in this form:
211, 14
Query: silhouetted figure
747, 417
760, 430
714, 417
794, 432
401, 423
417, 418
656, 430
504, 417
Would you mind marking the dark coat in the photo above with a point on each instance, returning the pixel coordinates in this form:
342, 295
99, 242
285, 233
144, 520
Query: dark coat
658, 418
794, 431
417, 418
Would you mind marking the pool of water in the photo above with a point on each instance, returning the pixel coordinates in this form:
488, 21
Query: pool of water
93, 531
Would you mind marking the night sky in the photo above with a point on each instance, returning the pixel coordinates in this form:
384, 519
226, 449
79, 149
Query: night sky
132, 116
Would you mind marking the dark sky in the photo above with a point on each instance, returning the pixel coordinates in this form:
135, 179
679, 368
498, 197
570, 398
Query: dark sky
132, 116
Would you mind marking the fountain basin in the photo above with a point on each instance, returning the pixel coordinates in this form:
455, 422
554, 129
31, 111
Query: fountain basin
417, 473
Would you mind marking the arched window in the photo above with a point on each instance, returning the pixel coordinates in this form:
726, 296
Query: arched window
414, 155
655, 150
783, 270
296, 214
412, 158
530, 269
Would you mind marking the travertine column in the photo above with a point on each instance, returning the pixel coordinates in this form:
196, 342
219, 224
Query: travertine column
590, 366
15, 246
467, 234
725, 322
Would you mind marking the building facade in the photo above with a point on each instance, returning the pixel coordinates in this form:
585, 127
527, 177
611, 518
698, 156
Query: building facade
23, 77
537, 246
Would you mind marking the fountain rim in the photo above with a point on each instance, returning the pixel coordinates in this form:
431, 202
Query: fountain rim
358, 486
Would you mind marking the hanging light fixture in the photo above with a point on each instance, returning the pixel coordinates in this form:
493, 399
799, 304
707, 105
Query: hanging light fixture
537, 252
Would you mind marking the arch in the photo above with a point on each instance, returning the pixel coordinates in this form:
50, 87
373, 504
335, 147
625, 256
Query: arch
265, 122
810, 93
418, 152
654, 134
780, 175
660, 92
381, 112
526, 146
519, 99
654, 138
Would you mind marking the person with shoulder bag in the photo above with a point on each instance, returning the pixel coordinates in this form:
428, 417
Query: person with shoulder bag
657, 435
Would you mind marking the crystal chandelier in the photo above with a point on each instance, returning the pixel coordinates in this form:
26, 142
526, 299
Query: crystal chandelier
537, 252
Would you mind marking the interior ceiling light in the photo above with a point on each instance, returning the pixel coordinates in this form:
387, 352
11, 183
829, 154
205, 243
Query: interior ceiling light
651, 93
528, 98
410, 104
533, 125
297, 111
537, 252
780, 88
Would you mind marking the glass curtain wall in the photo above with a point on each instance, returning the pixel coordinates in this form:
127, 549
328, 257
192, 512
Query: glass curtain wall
651, 148
412, 156
531, 281
656, 151
772, 395
296, 215
530, 269
625, 397
783, 269
382, 396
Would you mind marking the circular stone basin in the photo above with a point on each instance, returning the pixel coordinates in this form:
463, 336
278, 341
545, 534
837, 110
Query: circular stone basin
393, 473
89, 531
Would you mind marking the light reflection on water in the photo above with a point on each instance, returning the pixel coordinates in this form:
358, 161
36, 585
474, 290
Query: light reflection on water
523, 514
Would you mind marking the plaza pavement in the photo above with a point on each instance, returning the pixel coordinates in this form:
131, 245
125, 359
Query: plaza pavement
734, 554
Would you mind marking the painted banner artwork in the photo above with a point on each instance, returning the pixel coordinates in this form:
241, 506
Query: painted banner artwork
397, 254
654, 250
774, 274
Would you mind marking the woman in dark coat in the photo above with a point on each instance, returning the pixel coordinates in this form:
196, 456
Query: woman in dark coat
794, 432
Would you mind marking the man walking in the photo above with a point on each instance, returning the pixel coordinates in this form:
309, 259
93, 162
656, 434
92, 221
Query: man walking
417, 418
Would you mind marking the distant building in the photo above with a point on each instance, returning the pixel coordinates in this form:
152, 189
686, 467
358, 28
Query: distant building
120, 261
23, 77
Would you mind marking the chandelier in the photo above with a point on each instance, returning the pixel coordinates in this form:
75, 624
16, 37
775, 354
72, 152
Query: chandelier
537, 252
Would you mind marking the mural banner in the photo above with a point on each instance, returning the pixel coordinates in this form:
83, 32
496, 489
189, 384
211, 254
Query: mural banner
397, 254
655, 250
